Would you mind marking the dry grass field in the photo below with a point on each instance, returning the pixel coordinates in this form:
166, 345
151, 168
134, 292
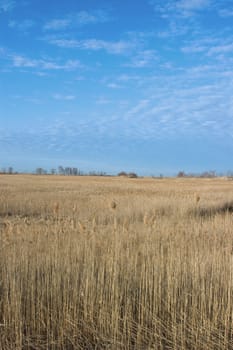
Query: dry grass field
115, 263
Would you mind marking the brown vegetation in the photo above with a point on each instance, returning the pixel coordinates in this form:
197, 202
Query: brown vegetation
110, 263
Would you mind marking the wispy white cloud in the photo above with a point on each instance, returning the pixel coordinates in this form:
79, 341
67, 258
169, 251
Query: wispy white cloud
113, 47
143, 58
187, 6
171, 10
77, 19
194, 48
221, 49
41, 74
114, 86
182, 16
84, 17
64, 97
184, 8
7, 5
24, 25
174, 29
68, 65
211, 46
128, 78
140, 107
57, 24
19, 61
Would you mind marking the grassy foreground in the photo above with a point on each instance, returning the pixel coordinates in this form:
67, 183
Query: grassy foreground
115, 263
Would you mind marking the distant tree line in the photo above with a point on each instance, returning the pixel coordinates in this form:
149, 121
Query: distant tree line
9, 171
74, 171
68, 171
205, 174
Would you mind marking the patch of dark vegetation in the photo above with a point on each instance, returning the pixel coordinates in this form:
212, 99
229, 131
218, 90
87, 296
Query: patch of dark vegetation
18, 214
208, 212
22, 216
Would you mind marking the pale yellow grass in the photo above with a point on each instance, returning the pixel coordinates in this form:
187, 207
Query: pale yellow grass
115, 263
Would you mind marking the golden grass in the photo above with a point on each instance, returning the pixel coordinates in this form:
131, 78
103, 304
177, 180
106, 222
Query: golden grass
115, 263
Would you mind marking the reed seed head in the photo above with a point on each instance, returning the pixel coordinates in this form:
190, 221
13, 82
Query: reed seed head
197, 198
81, 226
146, 219
113, 205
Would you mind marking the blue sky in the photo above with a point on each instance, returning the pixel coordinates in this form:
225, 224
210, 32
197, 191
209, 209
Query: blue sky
141, 86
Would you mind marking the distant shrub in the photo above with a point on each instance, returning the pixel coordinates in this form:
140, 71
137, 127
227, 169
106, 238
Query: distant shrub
181, 174
122, 173
132, 175
208, 212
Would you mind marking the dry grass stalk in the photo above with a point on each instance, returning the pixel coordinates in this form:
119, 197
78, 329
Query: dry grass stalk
94, 225
121, 285
56, 208
146, 219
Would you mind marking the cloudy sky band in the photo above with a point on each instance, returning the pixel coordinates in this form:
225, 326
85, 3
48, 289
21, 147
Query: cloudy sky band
93, 76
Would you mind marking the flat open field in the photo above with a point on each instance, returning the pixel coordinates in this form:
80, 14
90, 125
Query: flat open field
116, 263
